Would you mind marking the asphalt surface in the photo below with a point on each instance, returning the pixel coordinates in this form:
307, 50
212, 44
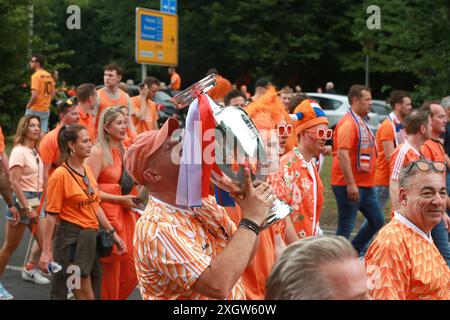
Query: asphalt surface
11, 278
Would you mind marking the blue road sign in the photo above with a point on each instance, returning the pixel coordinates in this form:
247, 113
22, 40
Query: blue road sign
151, 28
169, 6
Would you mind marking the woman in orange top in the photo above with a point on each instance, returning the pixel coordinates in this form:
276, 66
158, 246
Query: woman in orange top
119, 277
73, 197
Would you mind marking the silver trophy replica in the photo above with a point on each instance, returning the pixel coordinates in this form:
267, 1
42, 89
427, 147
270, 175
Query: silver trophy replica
237, 145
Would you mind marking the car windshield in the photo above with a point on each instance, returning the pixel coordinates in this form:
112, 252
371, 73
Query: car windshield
327, 103
380, 108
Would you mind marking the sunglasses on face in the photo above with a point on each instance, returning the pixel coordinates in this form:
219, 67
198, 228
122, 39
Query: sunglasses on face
322, 133
426, 166
285, 130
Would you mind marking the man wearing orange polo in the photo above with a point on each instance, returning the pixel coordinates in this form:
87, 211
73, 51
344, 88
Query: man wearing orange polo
223, 86
418, 130
353, 170
145, 115
175, 79
390, 134
42, 91
48, 148
87, 97
433, 150
403, 263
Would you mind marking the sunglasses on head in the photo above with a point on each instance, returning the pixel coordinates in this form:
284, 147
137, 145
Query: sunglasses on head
88, 185
285, 130
425, 166
325, 134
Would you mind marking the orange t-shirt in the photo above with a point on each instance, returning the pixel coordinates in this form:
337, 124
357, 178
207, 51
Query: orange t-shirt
433, 150
223, 86
403, 155
67, 197
175, 81
44, 84
257, 272
385, 133
49, 150
87, 120
151, 115
105, 101
299, 185
346, 137
404, 264
2, 142
173, 247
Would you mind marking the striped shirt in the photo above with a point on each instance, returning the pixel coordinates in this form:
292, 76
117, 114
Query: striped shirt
173, 247
403, 155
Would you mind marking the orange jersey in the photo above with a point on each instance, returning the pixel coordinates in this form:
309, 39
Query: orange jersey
49, 150
2, 142
175, 81
44, 85
88, 120
404, 264
299, 185
403, 155
173, 247
385, 133
257, 272
223, 86
150, 117
433, 150
346, 137
66, 196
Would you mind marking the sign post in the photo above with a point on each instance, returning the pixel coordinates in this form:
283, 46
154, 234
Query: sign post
156, 38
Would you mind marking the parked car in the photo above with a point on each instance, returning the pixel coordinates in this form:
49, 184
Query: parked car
335, 106
381, 108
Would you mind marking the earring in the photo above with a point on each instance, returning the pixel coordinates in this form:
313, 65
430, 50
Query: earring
72, 152
158, 177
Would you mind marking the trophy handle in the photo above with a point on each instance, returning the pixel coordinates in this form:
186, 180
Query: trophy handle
185, 97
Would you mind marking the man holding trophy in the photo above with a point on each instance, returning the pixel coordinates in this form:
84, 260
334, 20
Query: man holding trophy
191, 249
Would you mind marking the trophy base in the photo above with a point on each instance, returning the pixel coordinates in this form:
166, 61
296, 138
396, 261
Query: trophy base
279, 211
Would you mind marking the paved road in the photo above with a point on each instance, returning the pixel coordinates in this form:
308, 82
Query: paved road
11, 278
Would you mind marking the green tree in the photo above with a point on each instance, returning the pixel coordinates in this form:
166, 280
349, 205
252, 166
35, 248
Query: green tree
13, 56
413, 41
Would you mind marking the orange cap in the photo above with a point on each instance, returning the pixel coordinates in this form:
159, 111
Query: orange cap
136, 157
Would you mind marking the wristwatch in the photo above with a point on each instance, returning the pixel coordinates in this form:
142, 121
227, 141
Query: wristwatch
111, 231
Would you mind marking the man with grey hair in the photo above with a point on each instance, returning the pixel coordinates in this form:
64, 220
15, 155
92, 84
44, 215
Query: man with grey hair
329, 88
403, 263
318, 268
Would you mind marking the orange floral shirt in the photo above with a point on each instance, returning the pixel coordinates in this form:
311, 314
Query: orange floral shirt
298, 184
173, 247
404, 264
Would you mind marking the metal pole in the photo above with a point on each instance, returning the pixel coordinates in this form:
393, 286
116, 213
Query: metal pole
144, 71
367, 71
30, 26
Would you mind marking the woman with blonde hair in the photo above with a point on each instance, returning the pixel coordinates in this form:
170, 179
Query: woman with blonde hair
106, 162
26, 174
